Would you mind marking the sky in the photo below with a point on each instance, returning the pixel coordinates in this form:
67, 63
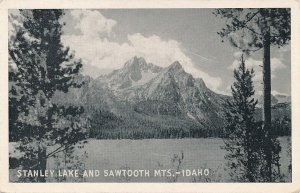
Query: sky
105, 39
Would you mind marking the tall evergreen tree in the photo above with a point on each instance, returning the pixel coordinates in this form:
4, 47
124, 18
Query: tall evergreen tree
41, 67
245, 138
254, 29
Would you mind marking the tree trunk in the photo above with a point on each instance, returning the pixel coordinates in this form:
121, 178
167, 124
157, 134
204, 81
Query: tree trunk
42, 154
42, 164
267, 102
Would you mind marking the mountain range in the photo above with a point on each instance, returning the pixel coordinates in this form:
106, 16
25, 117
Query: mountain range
142, 100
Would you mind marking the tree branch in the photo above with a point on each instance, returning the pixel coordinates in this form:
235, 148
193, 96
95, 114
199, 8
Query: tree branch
254, 50
58, 152
252, 16
252, 30
53, 152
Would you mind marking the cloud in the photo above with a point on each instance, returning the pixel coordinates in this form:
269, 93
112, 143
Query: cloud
163, 53
157, 51
276, 65
274, 92
95, 47
92, 23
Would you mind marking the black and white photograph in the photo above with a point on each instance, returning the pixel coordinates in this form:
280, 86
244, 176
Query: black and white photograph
150, 95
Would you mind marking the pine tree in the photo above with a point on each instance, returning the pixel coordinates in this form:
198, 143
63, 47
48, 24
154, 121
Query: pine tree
245, 138
41, 67
251, 30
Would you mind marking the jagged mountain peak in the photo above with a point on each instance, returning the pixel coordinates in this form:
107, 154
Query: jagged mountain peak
175, 66
135, 62
201, 82
135, 72
139, 64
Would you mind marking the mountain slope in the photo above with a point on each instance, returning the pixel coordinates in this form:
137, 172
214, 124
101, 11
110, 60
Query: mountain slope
142, 100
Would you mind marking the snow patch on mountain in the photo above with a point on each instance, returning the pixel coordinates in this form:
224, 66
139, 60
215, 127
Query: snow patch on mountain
190, 116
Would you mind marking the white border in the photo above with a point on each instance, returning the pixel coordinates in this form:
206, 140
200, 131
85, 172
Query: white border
5, 186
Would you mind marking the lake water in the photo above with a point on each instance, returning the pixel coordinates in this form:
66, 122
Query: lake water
156, 155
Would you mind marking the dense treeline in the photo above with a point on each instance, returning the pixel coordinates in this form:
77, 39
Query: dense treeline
107, 125
171, 133
282, 126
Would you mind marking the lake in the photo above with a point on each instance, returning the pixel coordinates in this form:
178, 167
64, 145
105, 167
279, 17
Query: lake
195, 155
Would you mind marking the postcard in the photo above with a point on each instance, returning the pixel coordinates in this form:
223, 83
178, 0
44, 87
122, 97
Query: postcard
150, 96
